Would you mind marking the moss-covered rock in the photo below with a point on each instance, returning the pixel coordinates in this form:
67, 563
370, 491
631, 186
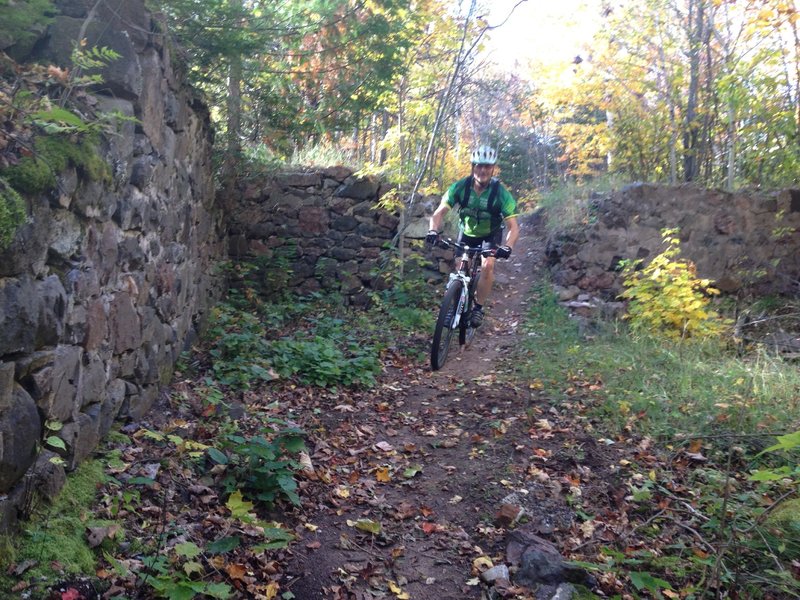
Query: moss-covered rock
783, 528
21, 23
787, 518
57, 532
53, 154
12, 213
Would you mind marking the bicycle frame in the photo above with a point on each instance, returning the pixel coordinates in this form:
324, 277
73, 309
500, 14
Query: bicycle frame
466, 270
455, 311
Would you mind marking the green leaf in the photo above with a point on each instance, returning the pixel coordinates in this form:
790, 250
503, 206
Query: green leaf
56, 442
193, 568
154, 435
785, 442
187, 550
218, 590
119, 568
277, 534
217, 456
770, 474
224, 544
58, 115
179, 591
239, 507
412, 471
294, 444
648, 582
367, 525
142, 481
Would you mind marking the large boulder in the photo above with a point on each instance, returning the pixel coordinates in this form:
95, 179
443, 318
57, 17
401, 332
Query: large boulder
20, 431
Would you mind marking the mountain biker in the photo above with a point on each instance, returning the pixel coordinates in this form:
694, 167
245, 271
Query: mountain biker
485, 207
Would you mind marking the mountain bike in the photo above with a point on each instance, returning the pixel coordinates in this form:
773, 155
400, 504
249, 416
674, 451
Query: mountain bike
459, 297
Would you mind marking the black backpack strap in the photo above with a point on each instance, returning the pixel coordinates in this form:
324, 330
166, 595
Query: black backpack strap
464, 198
493, 197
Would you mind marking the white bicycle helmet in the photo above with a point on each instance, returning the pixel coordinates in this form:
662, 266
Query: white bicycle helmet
484, 155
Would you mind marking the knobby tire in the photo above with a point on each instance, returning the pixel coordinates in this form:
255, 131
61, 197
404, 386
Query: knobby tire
465, 329
444, 331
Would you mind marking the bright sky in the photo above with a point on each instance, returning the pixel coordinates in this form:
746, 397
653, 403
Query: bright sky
548, 31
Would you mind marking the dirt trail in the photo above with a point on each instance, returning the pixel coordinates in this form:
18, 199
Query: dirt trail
430, 459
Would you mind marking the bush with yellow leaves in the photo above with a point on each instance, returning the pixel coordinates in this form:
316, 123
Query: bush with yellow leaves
667, 298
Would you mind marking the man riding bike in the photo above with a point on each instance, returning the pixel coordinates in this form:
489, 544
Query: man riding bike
485, 208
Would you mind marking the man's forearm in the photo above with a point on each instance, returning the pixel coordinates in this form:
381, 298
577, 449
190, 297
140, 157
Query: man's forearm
437, 216
513, 232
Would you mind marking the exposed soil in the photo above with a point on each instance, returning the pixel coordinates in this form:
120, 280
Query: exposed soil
417, 484
432, 457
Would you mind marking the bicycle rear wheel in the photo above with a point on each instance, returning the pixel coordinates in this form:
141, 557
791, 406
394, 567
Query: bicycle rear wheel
465, 329
444, 325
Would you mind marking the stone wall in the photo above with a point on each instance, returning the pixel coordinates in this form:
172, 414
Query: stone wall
102, 287
320, 229
744, 242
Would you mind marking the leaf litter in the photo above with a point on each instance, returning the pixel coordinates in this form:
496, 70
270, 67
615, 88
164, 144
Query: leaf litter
411, 490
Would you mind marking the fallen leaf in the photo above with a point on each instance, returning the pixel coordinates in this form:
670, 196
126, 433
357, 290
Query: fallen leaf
271, 590
96, 535
71, 594
404, 510
696, 456
313, 545
22, 585
367, 525
19, 569
480, 564
382, 474
430, 528
306, 466
57, 73
398, 591
455, 499
236, 571
412, 471
384, 446
587, 528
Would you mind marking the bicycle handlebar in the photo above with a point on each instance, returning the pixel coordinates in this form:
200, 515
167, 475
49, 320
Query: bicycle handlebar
461, 247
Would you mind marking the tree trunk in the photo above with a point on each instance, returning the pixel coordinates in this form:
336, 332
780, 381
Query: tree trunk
691, 128
731, 178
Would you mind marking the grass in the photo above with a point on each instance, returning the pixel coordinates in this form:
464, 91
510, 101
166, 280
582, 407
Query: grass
659, 387
569, 205
720, 401
55, 537
321, 155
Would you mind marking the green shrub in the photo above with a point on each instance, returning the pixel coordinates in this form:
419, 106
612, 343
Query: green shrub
262, 465
238, 347
321, 361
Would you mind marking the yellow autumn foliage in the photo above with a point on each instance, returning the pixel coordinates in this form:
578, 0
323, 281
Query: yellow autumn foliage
667, 298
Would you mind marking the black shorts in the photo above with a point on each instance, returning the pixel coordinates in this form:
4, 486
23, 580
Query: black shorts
493, 240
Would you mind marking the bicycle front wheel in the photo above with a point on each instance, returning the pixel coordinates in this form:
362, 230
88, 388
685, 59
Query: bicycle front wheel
465, 329
444, 325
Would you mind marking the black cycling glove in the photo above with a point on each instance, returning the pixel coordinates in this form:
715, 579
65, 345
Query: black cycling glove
503, 252
431, 238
